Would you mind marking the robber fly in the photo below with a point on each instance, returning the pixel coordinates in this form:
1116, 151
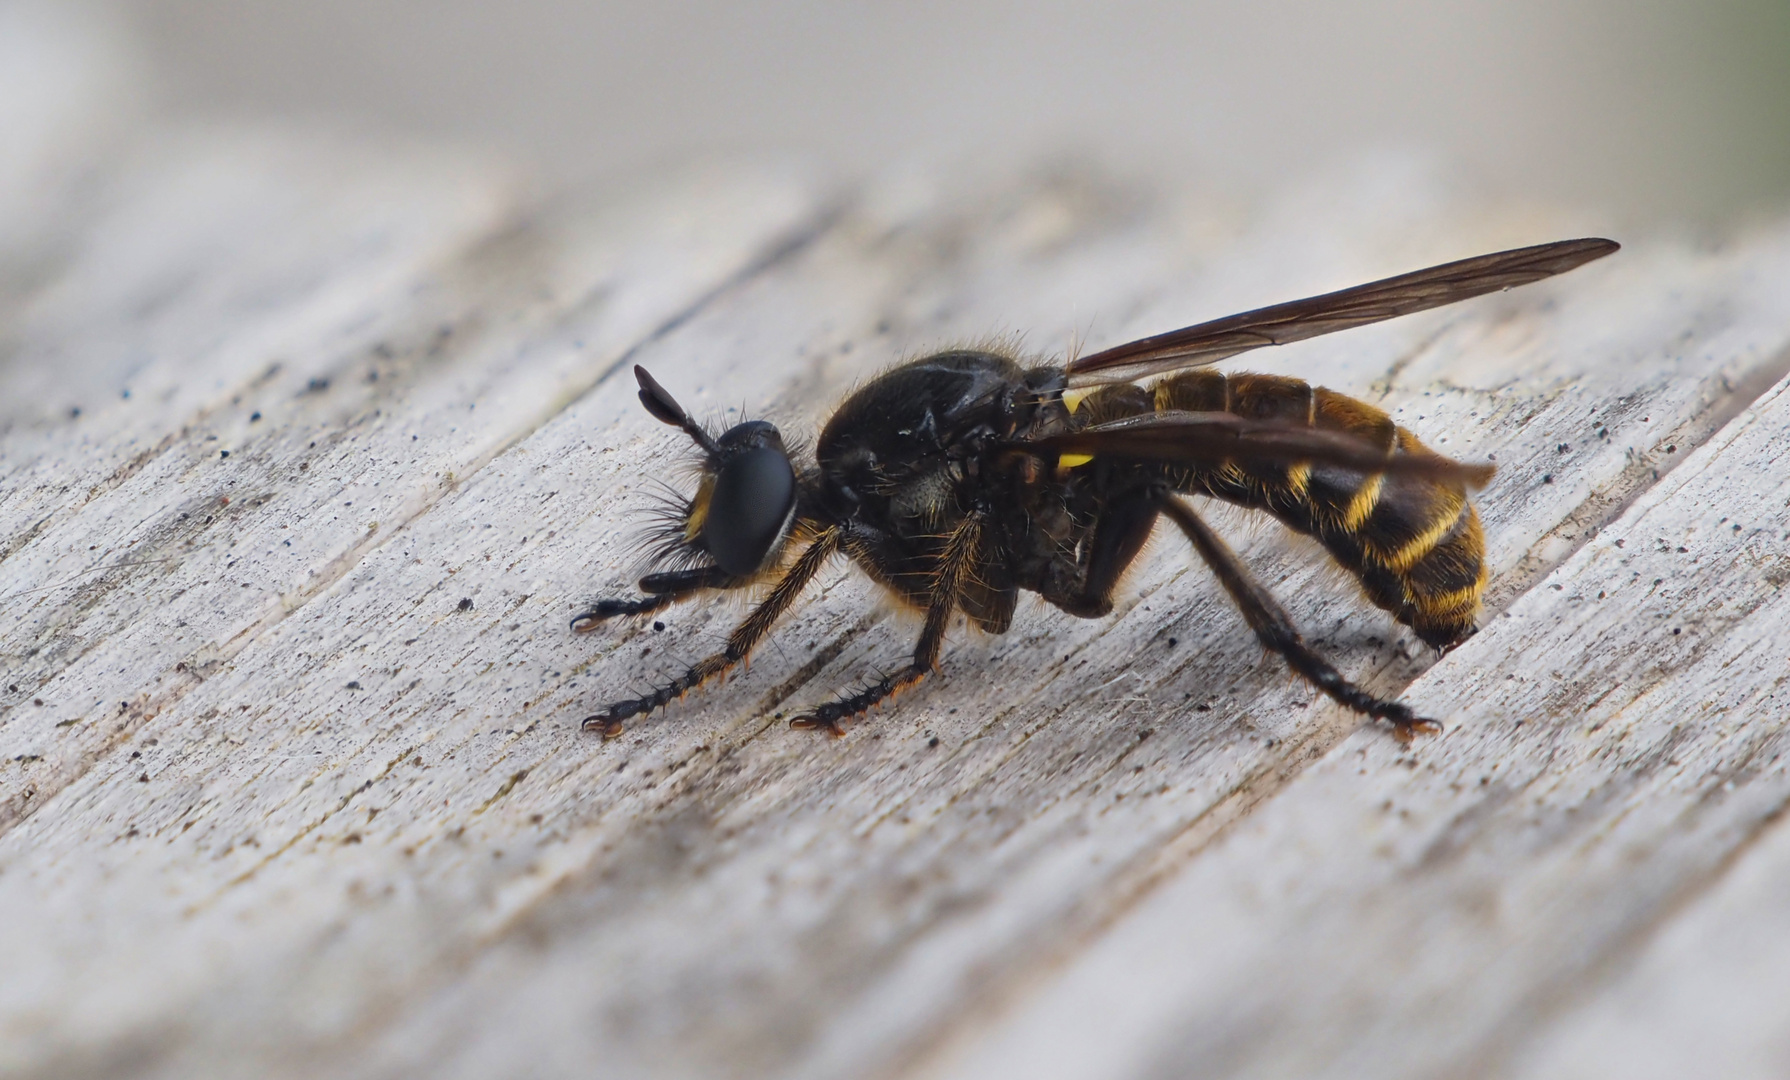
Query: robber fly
959, 479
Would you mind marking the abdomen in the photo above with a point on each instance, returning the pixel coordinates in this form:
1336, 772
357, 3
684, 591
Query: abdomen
1414, 543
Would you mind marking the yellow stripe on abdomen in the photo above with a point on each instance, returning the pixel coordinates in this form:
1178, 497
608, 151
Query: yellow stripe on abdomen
1362, 503
1413, 550
1298, 477
1454, 602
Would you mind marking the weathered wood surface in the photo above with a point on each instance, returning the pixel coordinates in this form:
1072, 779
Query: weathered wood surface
289, 805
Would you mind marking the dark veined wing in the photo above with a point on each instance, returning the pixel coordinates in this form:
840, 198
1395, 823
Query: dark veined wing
1297, 320
1210, 437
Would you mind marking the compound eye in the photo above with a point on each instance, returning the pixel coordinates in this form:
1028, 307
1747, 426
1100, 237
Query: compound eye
755, 492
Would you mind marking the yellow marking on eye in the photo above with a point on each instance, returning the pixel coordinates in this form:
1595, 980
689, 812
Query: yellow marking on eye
1367, 496
699, 509
1422, 544
1072, 399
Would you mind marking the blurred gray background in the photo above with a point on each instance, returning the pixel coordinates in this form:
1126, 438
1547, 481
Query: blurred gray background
1665, 110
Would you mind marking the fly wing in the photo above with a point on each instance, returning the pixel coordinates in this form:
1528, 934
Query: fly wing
1314, 316
1212, 437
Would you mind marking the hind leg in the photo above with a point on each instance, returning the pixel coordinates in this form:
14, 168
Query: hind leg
1275, 629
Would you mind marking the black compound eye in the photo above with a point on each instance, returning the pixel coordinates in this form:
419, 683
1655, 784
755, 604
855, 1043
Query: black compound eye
749, 508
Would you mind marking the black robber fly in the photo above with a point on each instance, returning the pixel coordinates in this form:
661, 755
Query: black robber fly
962, 478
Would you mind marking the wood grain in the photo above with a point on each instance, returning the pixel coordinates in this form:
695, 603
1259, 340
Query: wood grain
306, 792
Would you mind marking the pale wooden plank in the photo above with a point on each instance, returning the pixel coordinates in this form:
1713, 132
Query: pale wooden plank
203, 255
174, 537
585, 496
211, 276
1619, 739
1703, 996
911, 990
774, 901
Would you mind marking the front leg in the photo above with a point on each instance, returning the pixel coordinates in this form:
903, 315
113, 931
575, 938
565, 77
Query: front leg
954, 562
739, 644
662, 590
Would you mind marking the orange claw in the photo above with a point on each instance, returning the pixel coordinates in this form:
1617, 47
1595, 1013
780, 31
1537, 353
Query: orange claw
608, 728
1405, 733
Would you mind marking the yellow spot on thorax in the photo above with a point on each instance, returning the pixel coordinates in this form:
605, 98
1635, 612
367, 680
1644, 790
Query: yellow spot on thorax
1072, 400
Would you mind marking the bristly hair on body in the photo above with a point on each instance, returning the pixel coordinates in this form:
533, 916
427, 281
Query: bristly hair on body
662, 537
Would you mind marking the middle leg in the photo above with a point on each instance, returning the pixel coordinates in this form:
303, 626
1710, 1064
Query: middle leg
954, 563
1125, 526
